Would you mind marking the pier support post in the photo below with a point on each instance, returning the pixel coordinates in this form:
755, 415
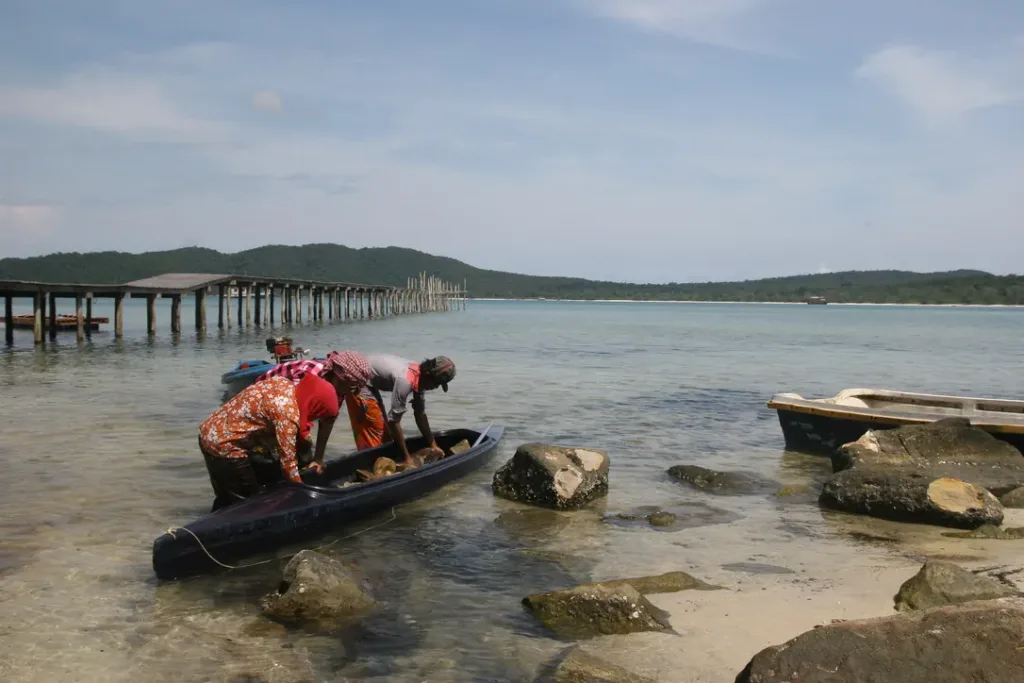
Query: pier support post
9, 319
270, 304
309, 305
151, 314
118, 316
248, 306
241, 304
220, 306
88, 314
176, 313
320, 301
53, 317
259, 305
39, 309
201, 310
79, 319
348, 304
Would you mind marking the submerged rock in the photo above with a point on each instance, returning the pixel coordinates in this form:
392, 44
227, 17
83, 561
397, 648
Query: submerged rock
553, 476
671, 518
945, 473
975, 641
944, 583
1013, 499
573, 665
910, 497
669, 582
990, 531
712, 481
315, 587
594, 610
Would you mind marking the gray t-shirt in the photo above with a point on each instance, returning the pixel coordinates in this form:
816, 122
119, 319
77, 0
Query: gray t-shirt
391, 373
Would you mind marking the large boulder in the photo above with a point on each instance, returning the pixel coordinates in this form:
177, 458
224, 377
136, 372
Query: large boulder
555, 477
721, 482
574, 665
944, 583
1013, 499
911, 497
946, 473
594, 610
317, 588
945, 448
975, 641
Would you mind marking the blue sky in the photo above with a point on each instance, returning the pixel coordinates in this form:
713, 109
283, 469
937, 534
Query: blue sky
641, 140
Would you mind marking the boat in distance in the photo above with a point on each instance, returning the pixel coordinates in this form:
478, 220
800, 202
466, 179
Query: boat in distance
286, 512
822, 425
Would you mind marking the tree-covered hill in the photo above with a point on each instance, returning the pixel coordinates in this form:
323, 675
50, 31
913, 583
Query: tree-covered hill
392, 265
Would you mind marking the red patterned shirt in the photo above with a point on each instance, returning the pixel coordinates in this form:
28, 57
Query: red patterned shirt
261, 410
294, 370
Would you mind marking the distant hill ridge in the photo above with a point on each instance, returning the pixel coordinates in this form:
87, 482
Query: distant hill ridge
393, 265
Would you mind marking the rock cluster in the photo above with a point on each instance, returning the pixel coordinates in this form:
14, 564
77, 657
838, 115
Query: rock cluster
556, 477
945, 473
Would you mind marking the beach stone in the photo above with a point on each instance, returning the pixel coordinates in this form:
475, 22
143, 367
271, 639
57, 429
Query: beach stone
315, 587
713, 481
946, 473
594, 610
661, 518
574, 665
1013, 499
974, 641
944, 583
911, 497
551, 476
945, 448
990, 531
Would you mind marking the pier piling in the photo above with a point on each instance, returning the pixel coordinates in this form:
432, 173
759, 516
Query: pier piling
321, 302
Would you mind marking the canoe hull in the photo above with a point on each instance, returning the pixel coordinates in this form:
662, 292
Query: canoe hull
821, 427
289, 512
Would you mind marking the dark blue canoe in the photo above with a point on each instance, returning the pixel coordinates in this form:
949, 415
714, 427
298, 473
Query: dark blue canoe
287, 512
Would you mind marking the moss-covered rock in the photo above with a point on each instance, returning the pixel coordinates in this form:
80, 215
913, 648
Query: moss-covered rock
595, 610
944, 583
556, 477
573, 665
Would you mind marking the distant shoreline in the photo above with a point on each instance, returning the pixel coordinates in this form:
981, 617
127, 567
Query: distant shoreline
754, 303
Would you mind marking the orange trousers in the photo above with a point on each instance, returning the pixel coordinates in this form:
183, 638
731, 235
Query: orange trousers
367, 421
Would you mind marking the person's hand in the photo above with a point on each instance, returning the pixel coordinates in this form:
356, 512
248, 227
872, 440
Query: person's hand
316, 467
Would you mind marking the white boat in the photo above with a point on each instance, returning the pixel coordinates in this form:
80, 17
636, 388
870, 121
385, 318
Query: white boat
825, 424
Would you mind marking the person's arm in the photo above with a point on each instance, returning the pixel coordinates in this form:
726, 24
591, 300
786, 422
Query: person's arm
419, 410
323, 433
286, 429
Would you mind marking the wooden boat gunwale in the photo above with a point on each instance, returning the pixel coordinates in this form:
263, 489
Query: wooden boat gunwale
991, 414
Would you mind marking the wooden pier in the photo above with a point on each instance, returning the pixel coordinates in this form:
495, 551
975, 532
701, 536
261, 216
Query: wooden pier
260, 300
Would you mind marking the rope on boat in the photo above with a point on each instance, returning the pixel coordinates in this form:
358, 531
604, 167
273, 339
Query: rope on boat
171, 530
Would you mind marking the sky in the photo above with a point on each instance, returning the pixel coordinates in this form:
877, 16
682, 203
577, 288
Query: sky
635, 140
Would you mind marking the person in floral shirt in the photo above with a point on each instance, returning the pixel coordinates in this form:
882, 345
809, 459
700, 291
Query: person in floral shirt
275, 411
346, 370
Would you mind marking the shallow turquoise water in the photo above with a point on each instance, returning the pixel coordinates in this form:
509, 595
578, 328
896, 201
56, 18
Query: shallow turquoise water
99, 458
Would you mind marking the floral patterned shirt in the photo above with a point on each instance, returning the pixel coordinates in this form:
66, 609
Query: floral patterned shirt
264, 408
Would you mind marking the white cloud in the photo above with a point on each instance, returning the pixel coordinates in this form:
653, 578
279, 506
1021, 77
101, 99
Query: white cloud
28, 222
940, 86
715, 22
105, 99
268, 100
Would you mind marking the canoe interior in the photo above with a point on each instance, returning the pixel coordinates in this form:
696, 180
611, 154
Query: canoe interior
289, 513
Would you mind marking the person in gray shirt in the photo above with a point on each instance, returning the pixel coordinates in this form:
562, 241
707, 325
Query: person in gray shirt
372, 423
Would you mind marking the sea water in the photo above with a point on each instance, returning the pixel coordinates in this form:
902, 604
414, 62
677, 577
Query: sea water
99, 457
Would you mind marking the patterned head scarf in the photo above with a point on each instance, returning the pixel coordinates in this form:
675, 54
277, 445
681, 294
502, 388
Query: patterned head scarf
441, 369
351, 367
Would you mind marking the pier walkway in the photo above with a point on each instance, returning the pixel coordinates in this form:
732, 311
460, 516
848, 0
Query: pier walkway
257, 301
